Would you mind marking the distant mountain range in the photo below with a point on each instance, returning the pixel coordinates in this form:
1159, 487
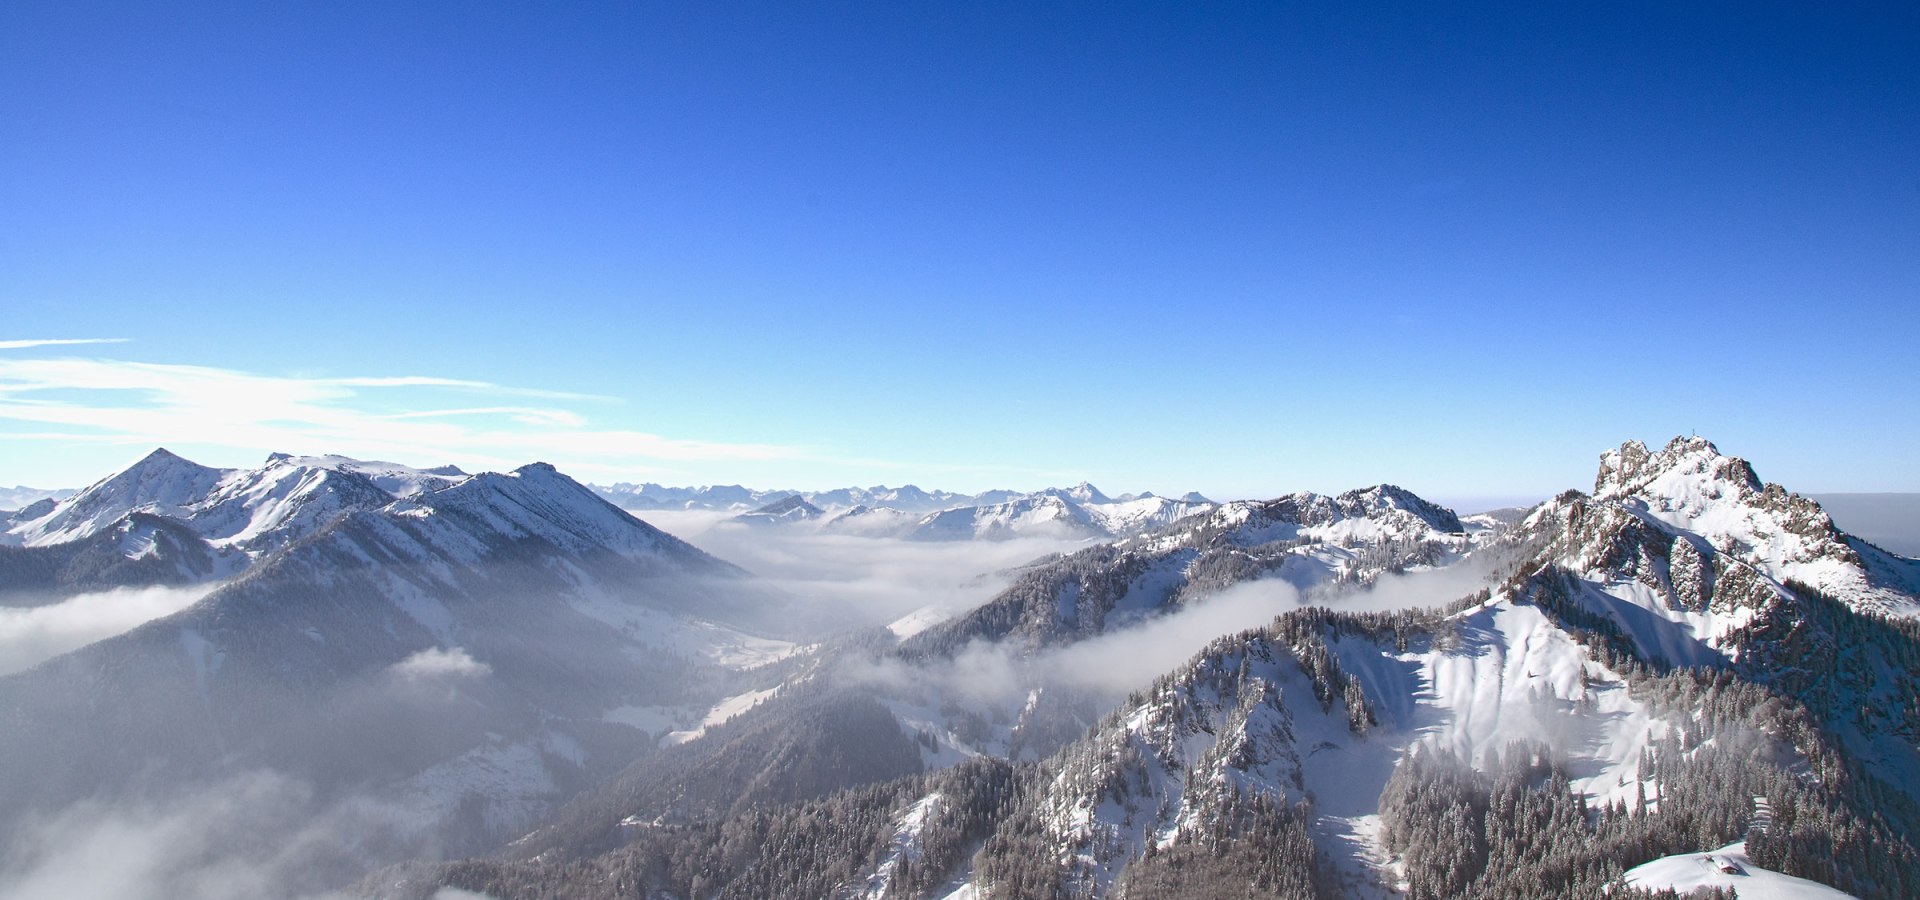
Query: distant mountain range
908, 498
13, 498
1078, 512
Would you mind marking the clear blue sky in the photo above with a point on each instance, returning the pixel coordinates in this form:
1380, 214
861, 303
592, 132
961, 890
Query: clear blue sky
1244, 249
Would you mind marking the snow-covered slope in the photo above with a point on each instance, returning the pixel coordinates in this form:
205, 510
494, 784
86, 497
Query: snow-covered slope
1727, 867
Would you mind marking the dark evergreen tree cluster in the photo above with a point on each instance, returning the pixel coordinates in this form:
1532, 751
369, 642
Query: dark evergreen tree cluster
816, 849
1249, 847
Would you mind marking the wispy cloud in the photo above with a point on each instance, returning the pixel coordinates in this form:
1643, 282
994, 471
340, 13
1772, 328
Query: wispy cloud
57, 342
407, 418
31, 635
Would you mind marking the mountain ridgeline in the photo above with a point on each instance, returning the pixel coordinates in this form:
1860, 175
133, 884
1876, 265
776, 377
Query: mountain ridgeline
1081, 512
1368, 694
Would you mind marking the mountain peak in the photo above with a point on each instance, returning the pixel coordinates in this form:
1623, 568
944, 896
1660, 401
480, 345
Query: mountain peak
789, 503
1691, 486
791, 508
1632, 468
160, 462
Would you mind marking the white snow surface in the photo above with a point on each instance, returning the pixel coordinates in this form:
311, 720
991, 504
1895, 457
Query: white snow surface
720, 714
917, 621
1727, 867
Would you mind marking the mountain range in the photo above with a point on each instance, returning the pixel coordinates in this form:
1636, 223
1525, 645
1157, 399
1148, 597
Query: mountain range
1363, 694
1078, 512
906, 498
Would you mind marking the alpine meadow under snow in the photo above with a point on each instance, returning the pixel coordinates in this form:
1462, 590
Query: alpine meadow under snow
326, 676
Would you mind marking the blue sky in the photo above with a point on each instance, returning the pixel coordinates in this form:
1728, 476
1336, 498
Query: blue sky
1244, 249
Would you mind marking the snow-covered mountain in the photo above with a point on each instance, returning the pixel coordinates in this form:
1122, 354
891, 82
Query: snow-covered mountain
871, 521
1043, 515
165, 520
235, 515
472, 644
784, 511
1686, 662
1679, 557
1308, 540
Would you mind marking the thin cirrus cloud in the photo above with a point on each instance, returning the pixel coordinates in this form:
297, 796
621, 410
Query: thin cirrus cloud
57, 342
118, 401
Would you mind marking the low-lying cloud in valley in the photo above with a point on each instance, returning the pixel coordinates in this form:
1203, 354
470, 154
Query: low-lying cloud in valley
861, 581
259, 834
1115, 663
34, 634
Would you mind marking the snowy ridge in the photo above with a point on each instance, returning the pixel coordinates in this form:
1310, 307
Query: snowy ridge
254, 511
1045, 515
1382, 512
1310, 541
869, 521
537, 503
159, 483
1684, 549
1718, 501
